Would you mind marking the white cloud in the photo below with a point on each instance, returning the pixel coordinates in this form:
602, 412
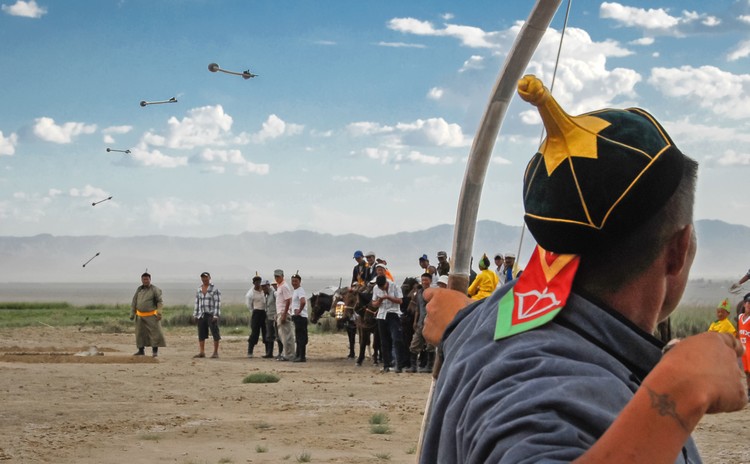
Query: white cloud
657, 20
142, 156
206, 125
500, 161
25, 9
435, 93
46, 129
687, 131
584, 82
741, 50
356, 179
87, 192
421, 158
325, 42
474, 62
643, 41
651, 19
378, 154
219, 158
447, 16
469, 36
730, 158
709, 87
8, 144
430, 132
433, 131
744, 18
275, 127
711, 21
401, 45
117, 129
358, 129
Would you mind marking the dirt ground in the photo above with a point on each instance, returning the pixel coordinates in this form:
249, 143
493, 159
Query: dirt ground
113, 408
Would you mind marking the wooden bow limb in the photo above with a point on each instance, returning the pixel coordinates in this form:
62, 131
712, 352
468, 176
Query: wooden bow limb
481, 151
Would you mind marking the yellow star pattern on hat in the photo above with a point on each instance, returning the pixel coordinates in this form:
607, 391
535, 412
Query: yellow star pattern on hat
567, 136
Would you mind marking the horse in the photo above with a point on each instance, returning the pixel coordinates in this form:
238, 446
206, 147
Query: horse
359, 299
321, 302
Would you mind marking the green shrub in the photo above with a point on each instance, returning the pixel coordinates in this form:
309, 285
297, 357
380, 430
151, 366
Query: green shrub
261, 377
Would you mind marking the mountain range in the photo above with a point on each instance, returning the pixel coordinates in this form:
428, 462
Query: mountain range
723, 252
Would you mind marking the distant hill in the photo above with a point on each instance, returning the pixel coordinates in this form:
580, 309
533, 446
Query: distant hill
724, 252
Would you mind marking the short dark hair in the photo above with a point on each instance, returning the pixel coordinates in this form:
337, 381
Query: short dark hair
601, 270
146, 274
427, 274
380, 280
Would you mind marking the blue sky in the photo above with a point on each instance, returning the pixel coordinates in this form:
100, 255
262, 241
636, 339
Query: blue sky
361, 118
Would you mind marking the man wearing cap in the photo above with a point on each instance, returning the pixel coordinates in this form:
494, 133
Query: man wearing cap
270, 302
255, 299
369, 267
509, 270
443, 267
499, 262
722, 324
359, 271
145, 309
424, 265
283, 317
561, 365
206, 312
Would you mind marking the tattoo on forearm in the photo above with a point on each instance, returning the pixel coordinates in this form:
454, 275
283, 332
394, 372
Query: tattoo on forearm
665, 406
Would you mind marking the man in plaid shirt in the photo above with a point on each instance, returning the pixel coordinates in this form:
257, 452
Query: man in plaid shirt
206, 314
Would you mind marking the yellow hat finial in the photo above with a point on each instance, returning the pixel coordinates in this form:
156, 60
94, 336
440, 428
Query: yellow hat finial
567, 135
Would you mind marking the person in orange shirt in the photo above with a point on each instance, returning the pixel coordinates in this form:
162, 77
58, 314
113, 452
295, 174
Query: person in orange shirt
743, 327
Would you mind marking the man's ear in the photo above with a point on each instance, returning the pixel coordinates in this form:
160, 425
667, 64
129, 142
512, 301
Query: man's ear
679, 249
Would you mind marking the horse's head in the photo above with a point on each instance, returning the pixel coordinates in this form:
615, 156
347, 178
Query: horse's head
319, 304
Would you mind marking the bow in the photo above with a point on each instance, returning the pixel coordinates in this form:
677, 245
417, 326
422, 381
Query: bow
479, 158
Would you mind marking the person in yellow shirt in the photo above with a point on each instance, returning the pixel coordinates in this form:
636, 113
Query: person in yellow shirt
486, 281
722, 324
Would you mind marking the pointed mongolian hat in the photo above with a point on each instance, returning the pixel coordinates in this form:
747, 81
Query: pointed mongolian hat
596, 176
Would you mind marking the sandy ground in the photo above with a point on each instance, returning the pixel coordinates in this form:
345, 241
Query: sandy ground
116, 409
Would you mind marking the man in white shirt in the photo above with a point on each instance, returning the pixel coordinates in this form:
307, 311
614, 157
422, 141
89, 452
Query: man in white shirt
299, 318
255, 300
387, 297
283, 318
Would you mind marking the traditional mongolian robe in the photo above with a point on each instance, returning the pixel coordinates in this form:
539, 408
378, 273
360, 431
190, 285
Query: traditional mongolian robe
146, 306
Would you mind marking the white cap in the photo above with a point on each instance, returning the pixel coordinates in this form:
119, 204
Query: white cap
443, 279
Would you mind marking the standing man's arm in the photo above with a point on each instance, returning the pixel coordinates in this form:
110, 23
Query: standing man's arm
302, 303
197, 304
217, 303
132, 305
159, 302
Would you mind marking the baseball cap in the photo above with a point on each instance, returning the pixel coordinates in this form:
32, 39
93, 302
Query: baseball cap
424, 258
443, 279
370, 253
278, 273
442, 254
265, 282
358, 254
